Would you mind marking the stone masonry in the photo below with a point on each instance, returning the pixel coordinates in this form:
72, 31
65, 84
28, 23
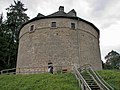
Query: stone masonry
61, 45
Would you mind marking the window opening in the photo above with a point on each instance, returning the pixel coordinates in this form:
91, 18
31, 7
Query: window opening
72, 25
53, 24
31, 28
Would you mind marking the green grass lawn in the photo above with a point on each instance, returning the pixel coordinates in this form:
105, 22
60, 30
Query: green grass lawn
112, 77
47, 81
44, 81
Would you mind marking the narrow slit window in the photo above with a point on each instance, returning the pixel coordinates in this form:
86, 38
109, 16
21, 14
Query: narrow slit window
32, 28
72, 25
53, 24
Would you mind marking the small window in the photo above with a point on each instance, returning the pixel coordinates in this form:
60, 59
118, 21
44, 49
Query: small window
32, 28
72, 25
53, 24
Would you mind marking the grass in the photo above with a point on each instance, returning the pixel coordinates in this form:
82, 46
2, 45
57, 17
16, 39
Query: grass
47, 81
42, 81
112, 77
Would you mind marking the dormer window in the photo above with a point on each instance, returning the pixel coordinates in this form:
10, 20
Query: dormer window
53, 24
72, 25
32, 28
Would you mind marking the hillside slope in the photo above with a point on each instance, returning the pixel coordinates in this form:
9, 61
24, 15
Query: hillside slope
112, 77
47, 81
42, 81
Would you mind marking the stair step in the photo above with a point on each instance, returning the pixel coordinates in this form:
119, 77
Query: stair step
89, 80
94, 87
91, 83
87, 76
85, 73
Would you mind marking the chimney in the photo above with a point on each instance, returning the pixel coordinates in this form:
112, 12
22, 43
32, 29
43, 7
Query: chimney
61, 8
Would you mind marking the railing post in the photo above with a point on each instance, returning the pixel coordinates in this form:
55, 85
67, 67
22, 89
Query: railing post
1, 72
83, 86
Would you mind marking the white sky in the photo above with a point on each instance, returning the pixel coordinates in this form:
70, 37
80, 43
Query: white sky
104, 14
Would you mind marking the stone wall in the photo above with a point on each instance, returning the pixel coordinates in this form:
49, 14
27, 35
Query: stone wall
61, 45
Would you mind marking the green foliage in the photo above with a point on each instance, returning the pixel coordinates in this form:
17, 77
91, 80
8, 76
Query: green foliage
16, 17
45, 81
112, 77
4, 38
112, 60
9, 33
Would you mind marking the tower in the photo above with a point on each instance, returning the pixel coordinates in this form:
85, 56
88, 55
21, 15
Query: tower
60, 38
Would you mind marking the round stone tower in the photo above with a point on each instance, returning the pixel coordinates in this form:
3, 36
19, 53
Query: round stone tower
60, 38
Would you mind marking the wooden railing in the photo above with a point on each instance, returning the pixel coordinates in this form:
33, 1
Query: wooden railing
7, 71
41, 69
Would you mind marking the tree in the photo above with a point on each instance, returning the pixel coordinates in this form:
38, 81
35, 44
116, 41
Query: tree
16, 16
4, 37
112, 60
1, 43
9, 33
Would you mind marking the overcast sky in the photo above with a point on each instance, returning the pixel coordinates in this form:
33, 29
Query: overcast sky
104, 14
